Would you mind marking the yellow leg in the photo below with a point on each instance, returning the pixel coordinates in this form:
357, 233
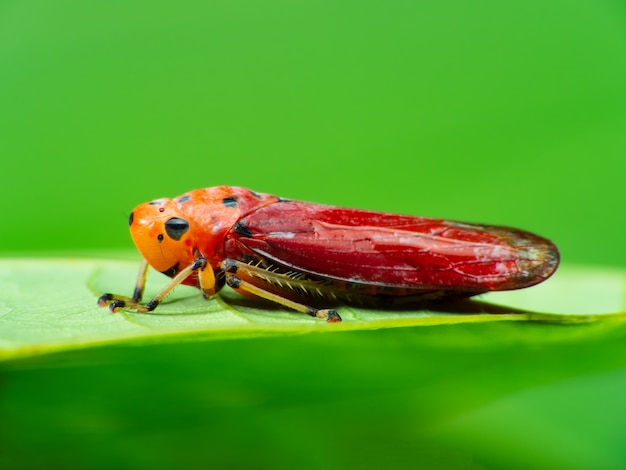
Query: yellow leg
330, 315
141, 281
116, 302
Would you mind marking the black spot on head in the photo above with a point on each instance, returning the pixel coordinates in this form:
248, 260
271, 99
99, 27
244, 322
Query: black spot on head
160, 237
242, 230
230, 201
130, 218
155, 203
161, 209
176, 228
184, 198
171, 271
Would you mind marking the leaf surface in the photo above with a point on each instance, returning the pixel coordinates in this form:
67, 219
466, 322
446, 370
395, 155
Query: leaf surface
50, 304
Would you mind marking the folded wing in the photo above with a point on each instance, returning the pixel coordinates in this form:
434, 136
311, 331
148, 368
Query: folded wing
392, 250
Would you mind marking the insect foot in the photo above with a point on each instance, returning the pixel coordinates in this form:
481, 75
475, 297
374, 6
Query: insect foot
105, 299
116, 302
330, 314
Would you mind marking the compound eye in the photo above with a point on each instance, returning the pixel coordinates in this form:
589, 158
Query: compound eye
176, 228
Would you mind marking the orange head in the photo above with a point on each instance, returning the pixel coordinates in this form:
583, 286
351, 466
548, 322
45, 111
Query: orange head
162, 235
172, 233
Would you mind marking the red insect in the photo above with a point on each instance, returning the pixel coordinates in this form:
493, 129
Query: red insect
298, 253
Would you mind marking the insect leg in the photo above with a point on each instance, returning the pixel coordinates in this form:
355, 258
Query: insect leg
141, 281
115, 301
109, 299
243, 286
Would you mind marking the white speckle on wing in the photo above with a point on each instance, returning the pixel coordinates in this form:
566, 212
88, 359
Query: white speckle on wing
502, 269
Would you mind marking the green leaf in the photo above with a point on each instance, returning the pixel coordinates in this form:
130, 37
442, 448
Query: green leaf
50, 305
461, 388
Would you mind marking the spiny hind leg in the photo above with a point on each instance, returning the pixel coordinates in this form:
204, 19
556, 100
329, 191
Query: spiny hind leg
236, 270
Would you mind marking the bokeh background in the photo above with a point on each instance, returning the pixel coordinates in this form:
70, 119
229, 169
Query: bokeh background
503, 112
510, 113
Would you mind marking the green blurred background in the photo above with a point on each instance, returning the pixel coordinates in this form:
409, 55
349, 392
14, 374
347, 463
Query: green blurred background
511, 113
502, 112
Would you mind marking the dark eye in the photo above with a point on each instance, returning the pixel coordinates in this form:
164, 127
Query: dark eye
176, 228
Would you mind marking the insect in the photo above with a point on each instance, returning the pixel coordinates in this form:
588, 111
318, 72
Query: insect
300, 254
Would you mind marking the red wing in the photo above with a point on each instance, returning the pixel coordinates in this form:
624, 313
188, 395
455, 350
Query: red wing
392, 250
